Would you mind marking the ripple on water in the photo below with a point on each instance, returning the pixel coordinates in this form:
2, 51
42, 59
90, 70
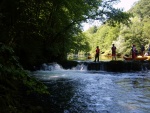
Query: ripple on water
99, 92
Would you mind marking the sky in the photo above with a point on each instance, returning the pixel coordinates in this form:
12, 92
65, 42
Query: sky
123, 4
126, 4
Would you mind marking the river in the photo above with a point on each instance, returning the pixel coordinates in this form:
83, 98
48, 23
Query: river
78, 90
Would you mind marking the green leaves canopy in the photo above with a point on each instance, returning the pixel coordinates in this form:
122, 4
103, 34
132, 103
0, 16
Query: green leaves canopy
43, 30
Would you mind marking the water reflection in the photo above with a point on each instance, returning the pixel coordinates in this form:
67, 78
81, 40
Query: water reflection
76, 91
138, 88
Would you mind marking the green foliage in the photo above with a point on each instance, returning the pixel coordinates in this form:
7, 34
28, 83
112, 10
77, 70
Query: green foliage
92, 30
141, 9
119, 17
135, 31
103, 38
80, 44
45, 30
37, 31
15, 83
138, 30
146, 31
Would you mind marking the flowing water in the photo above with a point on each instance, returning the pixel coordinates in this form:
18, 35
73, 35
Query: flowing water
78, 90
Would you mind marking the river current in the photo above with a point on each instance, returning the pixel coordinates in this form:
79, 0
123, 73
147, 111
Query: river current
78, 90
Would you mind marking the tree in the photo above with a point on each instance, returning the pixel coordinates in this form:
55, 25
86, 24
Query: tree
49, 26
123, 35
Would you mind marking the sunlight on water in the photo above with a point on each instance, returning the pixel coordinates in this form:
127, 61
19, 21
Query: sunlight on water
81, 91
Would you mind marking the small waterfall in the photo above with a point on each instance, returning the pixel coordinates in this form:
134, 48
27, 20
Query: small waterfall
112, 66
51, 66
80, 67
55, 66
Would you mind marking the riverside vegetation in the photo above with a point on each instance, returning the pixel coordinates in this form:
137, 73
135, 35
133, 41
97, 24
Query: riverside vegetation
33, 32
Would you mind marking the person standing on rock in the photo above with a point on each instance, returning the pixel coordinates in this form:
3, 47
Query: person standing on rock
97, 54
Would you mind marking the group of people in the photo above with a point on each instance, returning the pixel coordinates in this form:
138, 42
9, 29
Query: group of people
134, 52
113, 49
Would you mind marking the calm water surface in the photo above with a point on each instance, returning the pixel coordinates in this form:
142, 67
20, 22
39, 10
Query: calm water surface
80, 91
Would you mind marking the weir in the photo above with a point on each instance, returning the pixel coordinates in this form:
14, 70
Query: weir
110, 66
115, 86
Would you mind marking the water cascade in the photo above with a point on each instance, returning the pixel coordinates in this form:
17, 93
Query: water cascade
110, 66
92, 87
51, 66
56, 66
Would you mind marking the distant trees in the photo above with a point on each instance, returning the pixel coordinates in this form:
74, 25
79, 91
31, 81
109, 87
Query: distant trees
103, 37
123, 35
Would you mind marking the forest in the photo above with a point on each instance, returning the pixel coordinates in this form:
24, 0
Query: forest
43, 31
122, 35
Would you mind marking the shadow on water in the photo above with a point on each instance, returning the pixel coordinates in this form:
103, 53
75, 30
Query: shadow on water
59, 96
78, 90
